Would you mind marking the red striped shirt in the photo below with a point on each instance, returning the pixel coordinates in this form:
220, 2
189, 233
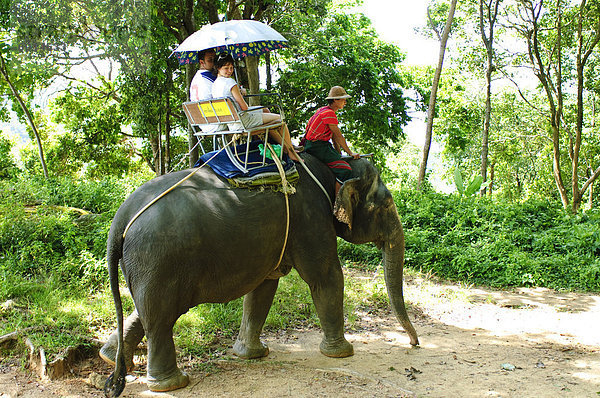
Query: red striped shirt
317, 128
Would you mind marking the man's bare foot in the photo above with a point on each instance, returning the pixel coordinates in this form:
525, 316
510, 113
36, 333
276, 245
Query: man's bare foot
294, 156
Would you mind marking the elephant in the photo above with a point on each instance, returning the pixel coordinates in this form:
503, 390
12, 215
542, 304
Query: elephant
206, 241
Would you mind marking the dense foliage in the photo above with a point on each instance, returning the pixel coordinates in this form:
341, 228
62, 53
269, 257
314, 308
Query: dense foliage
124, 112
8, 165
535, 243
52, 257
345, 50
541, 68
56, 232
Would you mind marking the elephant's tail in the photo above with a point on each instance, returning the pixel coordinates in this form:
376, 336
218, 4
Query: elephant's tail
116, 382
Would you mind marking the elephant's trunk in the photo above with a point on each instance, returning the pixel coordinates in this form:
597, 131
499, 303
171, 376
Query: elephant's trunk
393, 265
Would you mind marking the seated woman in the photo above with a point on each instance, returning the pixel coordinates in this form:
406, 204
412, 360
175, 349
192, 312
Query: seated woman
226, 86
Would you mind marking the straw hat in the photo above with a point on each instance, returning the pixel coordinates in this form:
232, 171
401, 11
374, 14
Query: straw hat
337, 92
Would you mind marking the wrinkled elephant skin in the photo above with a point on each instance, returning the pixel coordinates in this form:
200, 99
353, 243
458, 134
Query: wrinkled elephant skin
206, 242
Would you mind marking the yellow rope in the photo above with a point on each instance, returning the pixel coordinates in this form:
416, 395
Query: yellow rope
284, 184
170, 189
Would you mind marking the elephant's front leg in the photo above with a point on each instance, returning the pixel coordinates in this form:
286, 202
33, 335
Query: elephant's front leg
257, 304
328, 295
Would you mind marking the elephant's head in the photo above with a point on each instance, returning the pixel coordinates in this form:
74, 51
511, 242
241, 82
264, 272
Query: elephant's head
367, 213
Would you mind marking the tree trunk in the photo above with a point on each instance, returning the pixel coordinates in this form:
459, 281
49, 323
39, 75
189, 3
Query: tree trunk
543, 73
556, 165
268, 71
168, 135
582, 57
488, 40
153, 162
591, 197
557, 113
211, 8
13, 89
492, 167
159, 158
253, 79
193, 158
433, 97
486, 127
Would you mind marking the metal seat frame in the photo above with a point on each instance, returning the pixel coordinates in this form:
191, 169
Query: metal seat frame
218, 114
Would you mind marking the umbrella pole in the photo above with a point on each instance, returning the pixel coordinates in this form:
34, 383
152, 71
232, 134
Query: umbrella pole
237, 79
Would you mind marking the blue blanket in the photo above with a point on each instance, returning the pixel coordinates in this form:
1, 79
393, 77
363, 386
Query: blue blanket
223, 166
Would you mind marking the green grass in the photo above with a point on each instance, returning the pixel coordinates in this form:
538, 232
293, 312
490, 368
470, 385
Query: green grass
58, 319
209, 329
199, 331
54, 318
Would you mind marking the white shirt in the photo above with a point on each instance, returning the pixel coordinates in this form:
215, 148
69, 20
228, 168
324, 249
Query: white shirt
222, 87
201, 86
200, 90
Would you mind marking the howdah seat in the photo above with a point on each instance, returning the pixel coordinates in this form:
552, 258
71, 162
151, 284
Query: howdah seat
218, 120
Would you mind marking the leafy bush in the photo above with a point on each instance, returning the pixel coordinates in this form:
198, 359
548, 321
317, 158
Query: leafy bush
55, 231
8, 165
534, 243
363, 256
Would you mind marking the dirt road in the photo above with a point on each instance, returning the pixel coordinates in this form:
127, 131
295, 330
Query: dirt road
474, 343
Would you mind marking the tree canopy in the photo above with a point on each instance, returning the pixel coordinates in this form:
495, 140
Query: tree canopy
542, 110
344, 50
517, 96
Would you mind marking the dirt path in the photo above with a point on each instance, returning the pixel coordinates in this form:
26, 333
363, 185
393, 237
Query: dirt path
474, 343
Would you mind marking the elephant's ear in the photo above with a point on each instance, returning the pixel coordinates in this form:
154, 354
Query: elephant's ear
345, 201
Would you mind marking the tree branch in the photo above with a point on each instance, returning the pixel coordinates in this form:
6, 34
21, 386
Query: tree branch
589, 181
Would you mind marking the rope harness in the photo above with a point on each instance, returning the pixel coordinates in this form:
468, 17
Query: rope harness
286, 190
169, 190
318, 183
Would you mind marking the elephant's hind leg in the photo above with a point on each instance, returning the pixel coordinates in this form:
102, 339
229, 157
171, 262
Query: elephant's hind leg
257, 304
133, 333
163, 373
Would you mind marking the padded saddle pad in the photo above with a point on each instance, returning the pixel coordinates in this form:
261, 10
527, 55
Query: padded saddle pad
222, 165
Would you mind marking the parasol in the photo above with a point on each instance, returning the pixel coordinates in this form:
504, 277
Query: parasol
241, 38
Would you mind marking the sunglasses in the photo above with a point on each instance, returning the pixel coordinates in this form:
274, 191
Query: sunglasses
222, 55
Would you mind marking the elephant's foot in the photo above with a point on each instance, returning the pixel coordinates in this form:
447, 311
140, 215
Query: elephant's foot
250, 352
176, 380
108, 353
339, 348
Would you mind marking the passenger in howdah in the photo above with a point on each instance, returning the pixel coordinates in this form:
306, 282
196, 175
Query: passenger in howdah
226, 86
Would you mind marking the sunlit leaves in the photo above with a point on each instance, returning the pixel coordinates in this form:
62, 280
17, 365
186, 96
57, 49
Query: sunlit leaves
344, 50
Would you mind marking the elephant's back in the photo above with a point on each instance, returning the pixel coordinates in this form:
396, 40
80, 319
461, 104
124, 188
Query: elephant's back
200, 199
205, 229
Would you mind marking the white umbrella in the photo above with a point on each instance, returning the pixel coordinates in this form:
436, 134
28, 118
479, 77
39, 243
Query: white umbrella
241, 38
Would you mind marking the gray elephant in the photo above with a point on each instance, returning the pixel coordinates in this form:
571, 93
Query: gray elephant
207, 242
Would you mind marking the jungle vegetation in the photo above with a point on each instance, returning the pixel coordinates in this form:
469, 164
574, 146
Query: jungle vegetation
101, 99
